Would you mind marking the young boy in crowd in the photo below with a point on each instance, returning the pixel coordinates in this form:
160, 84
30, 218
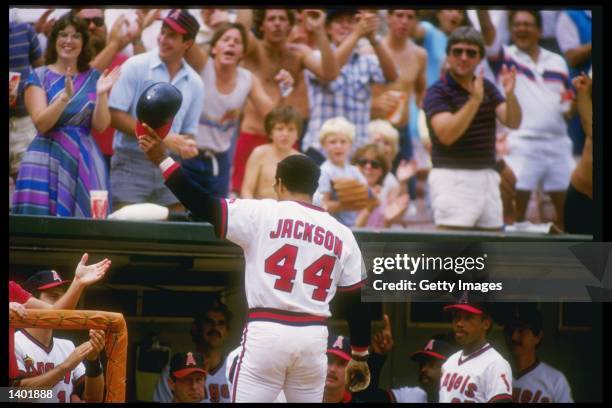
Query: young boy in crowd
336, 138
283, 126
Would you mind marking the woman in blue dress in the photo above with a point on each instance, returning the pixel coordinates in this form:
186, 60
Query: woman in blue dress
66, 99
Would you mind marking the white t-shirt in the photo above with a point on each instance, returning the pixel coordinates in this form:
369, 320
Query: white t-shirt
34, 359
542, 89
221, 114
541, 383
409, 394
296, 255
482, 376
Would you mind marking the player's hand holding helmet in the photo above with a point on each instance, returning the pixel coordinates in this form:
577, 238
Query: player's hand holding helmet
152, 145
352, 194
156, 107
358, 373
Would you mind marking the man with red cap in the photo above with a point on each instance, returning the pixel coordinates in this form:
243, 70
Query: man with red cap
20, 300
187, 375
44, 361
477, 373
435, 352
134, 179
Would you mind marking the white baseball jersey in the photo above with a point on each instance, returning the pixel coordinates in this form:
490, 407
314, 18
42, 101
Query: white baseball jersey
216, 387
541, 383
296, 254
409, 394
34, 359
482, 376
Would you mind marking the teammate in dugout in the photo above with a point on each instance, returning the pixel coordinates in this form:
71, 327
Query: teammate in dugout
534, 381
187, 375
297, 257
75, 374
477, 373
209, 333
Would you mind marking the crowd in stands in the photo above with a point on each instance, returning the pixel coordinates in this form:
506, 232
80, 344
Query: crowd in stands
466, 116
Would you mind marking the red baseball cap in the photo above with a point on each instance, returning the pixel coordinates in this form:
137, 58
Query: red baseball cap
44, 280
339, 346
181, 21
467, 305
183, 364
435, 348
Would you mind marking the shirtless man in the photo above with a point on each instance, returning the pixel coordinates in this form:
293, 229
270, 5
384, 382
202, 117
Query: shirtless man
411, 61
267, 55
283, 125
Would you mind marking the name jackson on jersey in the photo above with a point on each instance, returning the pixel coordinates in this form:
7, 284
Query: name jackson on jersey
305, 231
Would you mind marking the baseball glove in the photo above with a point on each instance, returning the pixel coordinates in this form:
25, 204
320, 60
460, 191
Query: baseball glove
353, 195
357, 375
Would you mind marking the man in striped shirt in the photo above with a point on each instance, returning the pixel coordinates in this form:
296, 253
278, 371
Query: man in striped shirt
24, 53
461, 110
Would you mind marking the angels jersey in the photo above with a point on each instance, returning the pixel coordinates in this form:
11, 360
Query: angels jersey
482, 376
541, 383
34, 359
296, 254
215, 388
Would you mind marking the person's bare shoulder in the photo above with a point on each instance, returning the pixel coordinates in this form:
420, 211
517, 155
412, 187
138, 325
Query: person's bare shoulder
260, 152
420, 52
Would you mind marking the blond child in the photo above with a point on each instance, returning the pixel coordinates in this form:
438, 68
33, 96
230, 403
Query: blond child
336, 137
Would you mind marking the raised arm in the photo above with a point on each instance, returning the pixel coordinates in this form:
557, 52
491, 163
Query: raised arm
44, 115
449, 127
325, 68
509, 112
202, 205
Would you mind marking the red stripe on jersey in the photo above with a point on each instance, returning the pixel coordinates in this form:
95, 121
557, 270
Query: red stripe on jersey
284, 316
171, 170
501, 397
391, 396
474, 354
235, 384
352, 287
223, 230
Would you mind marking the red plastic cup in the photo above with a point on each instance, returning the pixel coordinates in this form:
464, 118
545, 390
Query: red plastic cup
99, 204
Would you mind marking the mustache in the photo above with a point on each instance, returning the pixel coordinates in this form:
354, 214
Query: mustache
213, 331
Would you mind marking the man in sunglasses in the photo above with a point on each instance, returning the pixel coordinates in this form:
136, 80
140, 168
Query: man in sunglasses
461, 110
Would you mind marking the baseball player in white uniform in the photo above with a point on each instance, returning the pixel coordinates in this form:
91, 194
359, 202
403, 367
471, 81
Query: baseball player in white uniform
50, 362
534, 381
297, 257
477, 373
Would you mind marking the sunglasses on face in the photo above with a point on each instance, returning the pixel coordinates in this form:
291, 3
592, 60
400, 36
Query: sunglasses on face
98, 21
375, 164
457, 52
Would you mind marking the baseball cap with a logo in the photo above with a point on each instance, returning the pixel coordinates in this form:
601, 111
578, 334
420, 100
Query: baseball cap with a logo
468, 304
183, 364
44, 280
435, 348
339, 346
182, 22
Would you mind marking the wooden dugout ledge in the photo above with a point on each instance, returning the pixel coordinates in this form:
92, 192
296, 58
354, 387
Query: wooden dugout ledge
116, 339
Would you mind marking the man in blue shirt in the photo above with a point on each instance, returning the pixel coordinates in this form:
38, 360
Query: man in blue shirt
24, 53
133, 178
